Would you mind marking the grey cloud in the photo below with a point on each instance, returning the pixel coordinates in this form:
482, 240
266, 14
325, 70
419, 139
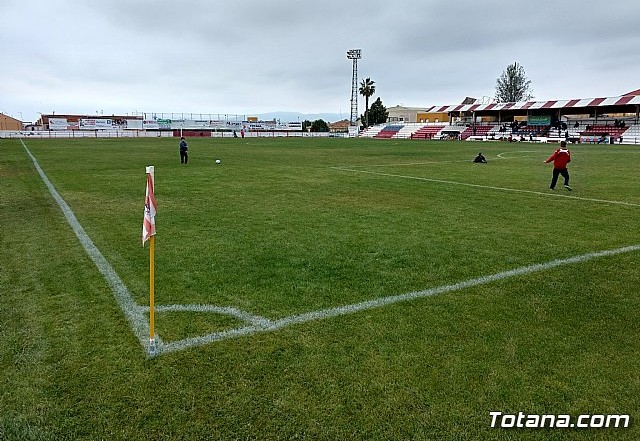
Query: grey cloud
248, 56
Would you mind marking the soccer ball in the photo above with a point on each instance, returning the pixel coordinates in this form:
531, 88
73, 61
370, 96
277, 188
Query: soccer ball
217, 161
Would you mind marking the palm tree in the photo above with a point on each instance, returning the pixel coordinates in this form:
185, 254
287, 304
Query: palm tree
367, 89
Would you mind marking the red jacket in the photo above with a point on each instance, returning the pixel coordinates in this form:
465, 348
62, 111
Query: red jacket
560, 158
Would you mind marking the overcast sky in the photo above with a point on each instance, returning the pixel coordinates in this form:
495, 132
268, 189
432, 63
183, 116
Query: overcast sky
248, 57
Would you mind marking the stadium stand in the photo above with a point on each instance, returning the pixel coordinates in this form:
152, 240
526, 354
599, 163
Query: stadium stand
616, 132
478, 130
427, 132
408, 130
451, 131
371, 132
388, 131
632, 135
577, 130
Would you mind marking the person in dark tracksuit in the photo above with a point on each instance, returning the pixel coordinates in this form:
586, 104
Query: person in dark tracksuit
480, 159
184, 153
561, 157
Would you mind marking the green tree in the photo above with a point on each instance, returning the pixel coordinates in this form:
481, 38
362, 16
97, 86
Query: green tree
319, 126
378, 113
513, 85
306, 124
367, 89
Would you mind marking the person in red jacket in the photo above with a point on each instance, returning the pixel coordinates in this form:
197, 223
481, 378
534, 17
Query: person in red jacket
561, 157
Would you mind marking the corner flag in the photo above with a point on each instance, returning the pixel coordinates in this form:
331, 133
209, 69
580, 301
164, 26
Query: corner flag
149, 223
148, 233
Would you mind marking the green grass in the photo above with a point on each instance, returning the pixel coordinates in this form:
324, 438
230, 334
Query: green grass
287, 226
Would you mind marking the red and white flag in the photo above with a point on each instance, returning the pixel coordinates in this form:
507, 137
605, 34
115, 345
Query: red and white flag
149, 223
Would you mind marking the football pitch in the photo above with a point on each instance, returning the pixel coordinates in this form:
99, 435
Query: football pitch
316, 289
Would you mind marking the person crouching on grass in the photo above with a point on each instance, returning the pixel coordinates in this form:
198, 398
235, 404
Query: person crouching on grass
561, 157
480, 159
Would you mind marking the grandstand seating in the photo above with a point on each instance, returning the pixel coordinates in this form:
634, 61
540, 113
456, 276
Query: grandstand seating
450, 128
408, 130
399, 130
427, 132
480, 130
534, 130
499, 130
632, 135
372, 131
616, 132
388, 131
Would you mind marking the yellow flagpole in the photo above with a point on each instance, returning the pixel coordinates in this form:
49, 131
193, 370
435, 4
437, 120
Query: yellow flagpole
152, 346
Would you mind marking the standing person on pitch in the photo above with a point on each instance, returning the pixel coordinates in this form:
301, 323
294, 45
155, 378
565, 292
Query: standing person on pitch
184, 154
561, 157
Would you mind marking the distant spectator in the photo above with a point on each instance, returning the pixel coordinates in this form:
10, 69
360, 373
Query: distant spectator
184, 154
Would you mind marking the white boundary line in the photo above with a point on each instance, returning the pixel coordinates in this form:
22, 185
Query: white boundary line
405, 164
132, 311
136, 314
385, 301
501, 155
490, 187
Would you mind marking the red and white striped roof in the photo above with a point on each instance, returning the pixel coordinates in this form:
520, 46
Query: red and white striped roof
525, 105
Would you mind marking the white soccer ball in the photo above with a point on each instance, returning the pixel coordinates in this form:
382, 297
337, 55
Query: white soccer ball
217, 161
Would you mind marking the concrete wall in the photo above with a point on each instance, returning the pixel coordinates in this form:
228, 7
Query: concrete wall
8, 123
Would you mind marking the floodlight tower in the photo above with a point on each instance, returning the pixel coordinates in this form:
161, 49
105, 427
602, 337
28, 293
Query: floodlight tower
355, 55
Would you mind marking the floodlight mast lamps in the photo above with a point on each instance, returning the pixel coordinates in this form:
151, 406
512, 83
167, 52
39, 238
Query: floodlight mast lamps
355, 55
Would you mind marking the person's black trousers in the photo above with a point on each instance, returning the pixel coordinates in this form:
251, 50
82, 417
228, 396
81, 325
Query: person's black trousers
556, 172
